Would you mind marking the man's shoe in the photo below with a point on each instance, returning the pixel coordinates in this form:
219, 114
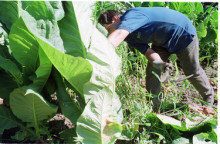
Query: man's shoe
209, 99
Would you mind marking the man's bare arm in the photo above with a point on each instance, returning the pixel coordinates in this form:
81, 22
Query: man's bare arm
152, 55
117, 36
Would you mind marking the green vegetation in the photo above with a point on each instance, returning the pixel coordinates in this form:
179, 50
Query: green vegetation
55, 60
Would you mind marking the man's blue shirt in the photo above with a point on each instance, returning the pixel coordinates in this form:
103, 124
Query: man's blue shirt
157, 25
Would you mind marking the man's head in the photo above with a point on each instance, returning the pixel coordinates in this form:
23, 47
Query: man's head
110, 19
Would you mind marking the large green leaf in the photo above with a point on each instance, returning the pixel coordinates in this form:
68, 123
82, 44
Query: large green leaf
38, 18
12, 69
70, 34
198, 8
101, 54
70, 109
41, 18
42, 72
51, 10
97, 124
8, 120
9, 12
24, 47
83, 13
211, 35
106, 67
76, 70
29, 106
190, 9
192, 126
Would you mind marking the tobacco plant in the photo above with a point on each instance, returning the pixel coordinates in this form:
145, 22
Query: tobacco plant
46, 48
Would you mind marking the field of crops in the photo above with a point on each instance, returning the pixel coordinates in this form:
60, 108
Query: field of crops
61, 81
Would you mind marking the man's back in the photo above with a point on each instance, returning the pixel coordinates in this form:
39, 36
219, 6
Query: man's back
160, 26
166, 15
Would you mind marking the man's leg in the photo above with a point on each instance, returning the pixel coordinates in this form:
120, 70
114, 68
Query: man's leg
153, 84
189, 60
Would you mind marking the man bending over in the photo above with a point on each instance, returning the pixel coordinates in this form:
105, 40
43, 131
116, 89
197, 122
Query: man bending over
170, 32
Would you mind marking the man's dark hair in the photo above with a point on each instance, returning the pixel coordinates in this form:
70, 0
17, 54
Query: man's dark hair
106, 16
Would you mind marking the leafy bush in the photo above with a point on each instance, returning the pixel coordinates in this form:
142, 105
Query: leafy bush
46, 49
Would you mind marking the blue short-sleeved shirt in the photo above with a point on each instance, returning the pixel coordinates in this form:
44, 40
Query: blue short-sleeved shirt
157, 25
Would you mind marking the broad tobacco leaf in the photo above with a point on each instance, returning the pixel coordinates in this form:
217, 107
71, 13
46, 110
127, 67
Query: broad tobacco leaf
9, 12
97, 123
103, 104
188, 125
42, 72
44, 26
37, 26
101, 54
76, 70
27, 53
12, 69
24, 47
41, 19
70, 33
205, 127
29, 106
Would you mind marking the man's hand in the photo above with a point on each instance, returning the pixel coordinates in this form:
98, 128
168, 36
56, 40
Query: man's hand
118, 36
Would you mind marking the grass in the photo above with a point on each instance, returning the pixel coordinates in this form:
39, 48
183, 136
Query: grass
136, 103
